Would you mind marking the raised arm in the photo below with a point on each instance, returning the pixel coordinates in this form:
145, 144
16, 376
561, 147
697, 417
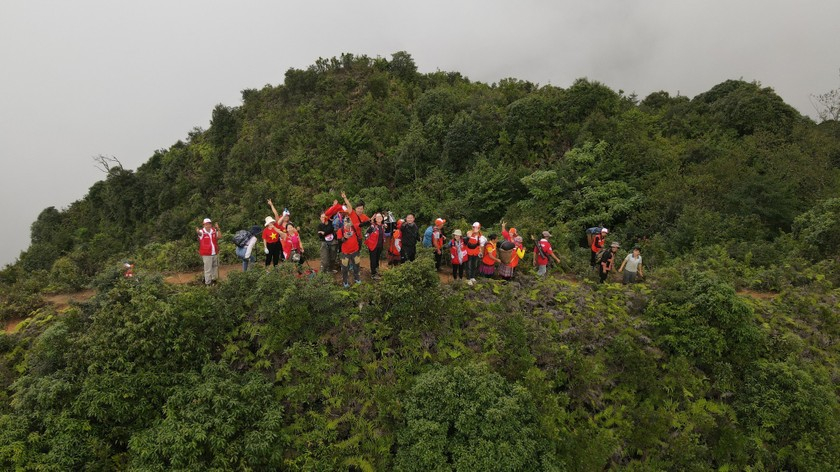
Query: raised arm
274, 210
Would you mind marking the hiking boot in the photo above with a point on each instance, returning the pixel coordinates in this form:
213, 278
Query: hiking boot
346, 285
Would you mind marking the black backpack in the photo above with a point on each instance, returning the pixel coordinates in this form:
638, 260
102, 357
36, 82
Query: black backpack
241, 238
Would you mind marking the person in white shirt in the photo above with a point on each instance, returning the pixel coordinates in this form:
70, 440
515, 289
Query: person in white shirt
632, 266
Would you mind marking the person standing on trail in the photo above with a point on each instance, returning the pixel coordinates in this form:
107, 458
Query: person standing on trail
542, 251
605, 262
438, 240
490, 257
598, 244
246, 252
349, 253
271, 236
473, 243
336, 214
395, 246
208, 248
357, 217
458, 254
632, 266
375, 241
410, 238
326, 234
295, 251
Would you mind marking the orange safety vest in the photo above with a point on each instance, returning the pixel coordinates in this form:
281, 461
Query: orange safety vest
489, 250
475, 238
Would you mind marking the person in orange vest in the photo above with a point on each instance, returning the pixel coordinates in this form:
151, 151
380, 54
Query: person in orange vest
208, 248
598, 244
517, 253
395, 248
473, 243
458, 253
490, 258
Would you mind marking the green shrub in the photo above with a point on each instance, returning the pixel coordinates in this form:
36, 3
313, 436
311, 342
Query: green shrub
467, 418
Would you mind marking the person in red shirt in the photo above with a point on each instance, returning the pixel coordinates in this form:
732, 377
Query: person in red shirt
357, 216
272, 236
542, 251
208, 248
349, 253
598, 244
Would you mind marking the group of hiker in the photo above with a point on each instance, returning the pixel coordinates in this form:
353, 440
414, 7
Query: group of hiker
345, 228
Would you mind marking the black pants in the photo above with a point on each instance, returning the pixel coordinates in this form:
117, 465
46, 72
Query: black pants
438, 260
458, 271
409, 253
472, 266
273, 256
603, 273
375, 255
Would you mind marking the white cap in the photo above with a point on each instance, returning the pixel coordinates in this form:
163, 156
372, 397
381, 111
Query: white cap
207, 220
477, 224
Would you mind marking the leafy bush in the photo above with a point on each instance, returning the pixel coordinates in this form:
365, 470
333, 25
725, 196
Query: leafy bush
470, 419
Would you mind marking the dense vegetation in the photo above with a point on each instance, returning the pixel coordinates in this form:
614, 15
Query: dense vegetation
730, 190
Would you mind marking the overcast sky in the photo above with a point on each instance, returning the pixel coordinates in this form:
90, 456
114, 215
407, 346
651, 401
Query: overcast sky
83, 78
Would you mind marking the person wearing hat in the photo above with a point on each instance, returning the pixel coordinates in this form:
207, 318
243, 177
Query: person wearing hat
605, 262
246, 252
271, 236
632, 266
438, 240
542, 251
208, 248
473, 243
458, 254
598, 244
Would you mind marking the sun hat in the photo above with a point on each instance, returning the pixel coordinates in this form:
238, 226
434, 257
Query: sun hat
546, 234
615, 244
268, 220
457, 232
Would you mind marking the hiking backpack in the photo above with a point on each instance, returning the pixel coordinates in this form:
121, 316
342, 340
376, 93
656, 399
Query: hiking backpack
591, 233
241, 238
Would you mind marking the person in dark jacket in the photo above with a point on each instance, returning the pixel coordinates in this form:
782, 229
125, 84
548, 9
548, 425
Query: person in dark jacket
410, 238
326, 234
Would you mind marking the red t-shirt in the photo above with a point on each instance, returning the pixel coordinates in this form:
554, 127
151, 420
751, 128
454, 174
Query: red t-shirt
349, 245
270, 234
546, 248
